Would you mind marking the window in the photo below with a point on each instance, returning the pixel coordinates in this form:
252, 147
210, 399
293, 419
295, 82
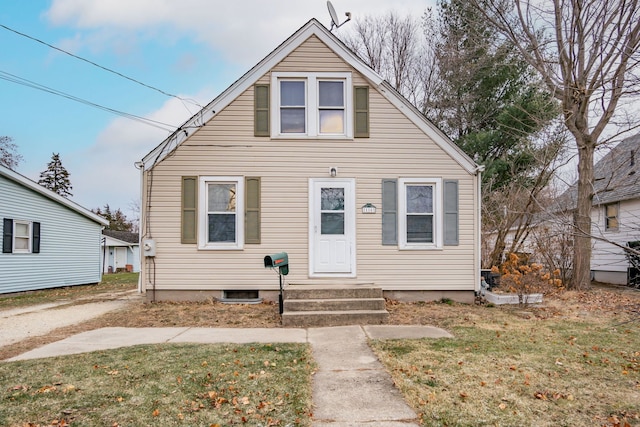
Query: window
221, 218
611, 217
19, 236
420, 219
312, 105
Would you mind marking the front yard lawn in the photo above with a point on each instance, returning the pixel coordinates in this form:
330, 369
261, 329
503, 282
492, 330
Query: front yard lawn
531, 367
165, 385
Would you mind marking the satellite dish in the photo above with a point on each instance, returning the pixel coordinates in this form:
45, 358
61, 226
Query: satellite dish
334, 17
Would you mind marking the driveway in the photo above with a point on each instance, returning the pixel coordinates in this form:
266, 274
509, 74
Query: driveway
21, 323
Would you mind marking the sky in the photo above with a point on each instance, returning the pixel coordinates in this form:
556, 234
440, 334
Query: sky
170, 55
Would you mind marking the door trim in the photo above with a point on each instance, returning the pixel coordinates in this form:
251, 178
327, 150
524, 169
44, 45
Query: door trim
350, 223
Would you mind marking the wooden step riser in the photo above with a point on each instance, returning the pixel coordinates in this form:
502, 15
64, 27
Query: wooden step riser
333, 318
349, 304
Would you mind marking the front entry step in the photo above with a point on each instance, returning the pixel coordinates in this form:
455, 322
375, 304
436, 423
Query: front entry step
308, 306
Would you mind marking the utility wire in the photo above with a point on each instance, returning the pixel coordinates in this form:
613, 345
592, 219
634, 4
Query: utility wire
101, 67
28, 83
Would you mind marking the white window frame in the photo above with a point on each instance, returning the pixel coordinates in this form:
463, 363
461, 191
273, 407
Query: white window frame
438, 220
312, 110
203, 221
29, 237
607, 227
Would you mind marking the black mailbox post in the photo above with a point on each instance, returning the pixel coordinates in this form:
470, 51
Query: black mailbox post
281, 262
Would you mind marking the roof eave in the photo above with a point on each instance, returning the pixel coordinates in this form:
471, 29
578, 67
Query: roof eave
32, 185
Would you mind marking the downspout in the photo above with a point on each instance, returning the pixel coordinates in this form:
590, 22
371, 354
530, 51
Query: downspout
140, 167
478, 252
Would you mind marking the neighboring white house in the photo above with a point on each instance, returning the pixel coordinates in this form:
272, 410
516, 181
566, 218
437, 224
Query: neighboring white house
48, 241
616, 210
121, 251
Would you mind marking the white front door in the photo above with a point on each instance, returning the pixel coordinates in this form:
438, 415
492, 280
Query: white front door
120, 258
332, 227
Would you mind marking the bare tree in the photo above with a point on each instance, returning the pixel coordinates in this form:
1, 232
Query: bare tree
587, 53
390, 45
9, 156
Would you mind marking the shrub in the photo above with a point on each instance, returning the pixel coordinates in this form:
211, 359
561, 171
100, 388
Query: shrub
521, 277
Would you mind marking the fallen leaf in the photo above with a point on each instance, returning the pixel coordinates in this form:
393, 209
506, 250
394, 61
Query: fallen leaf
540, 395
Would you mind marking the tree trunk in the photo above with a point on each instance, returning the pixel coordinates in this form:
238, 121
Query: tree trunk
581, 277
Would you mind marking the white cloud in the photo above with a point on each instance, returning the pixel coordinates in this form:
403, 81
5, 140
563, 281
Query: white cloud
104, 173
244, 31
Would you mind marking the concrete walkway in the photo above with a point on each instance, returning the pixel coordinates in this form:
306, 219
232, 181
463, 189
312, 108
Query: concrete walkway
350, 388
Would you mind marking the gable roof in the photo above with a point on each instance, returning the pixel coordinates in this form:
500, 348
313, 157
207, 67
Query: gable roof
311, 28
32, 185
123, 236
616, 176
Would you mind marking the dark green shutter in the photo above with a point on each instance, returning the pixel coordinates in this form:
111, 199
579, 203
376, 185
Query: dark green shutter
189, 219
7, 235
451, 212
252, 210
35, 231
361, 111
261, 113
389, 211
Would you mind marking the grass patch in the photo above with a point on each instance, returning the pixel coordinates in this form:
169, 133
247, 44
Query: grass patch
162, 385
117, 282
502, 370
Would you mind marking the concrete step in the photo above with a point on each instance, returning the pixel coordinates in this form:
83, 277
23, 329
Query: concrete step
334, 304
304, 319
331, 292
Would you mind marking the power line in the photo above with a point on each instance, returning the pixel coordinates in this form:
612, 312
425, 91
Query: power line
28, 83
101, 67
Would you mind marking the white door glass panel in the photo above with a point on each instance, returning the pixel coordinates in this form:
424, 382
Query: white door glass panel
332, 211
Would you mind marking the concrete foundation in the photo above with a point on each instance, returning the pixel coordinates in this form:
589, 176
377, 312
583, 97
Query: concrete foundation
613, 277
466, 297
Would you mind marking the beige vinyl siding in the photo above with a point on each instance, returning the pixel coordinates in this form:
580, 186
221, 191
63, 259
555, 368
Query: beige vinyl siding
226, 147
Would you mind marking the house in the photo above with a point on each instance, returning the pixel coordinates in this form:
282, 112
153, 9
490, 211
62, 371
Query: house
310, 153
120, 251
616, 210
48, 241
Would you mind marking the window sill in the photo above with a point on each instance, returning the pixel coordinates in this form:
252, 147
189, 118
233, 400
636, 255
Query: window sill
420, 248
221, 248
314, 137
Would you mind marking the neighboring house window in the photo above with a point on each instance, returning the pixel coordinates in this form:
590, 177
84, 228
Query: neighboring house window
221, 218
420, 218
611, 217
20, 236
312, 105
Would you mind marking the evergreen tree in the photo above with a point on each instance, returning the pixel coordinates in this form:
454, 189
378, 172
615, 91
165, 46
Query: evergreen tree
118, 221
56, 177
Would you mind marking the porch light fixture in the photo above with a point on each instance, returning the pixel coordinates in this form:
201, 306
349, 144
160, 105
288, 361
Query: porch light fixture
333, 171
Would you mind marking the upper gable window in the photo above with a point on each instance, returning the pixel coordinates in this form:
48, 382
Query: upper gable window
311, 105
